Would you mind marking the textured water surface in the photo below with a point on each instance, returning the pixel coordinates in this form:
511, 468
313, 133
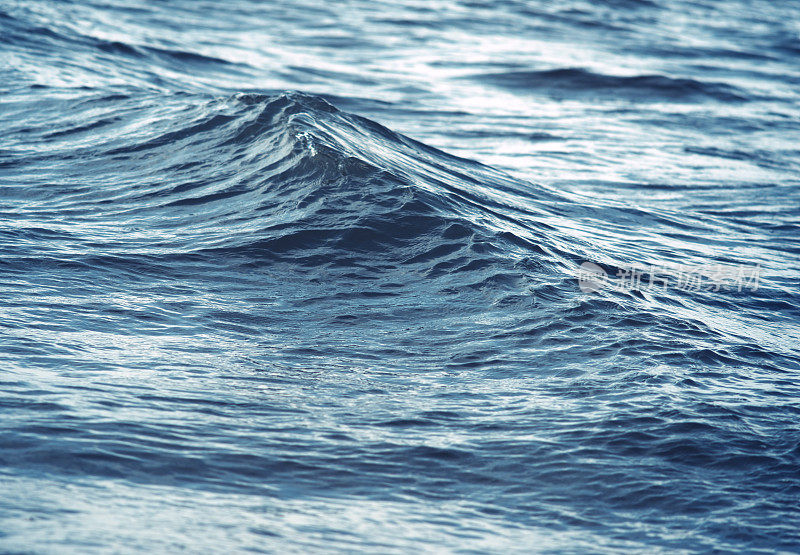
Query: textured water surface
239, 314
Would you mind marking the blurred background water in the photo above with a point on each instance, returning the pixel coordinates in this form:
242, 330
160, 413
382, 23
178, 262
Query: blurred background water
238, 314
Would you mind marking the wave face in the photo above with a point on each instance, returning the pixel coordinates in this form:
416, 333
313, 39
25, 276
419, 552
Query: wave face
644, 88
240, 318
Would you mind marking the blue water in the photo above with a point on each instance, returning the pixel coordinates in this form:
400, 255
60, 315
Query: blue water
239, 314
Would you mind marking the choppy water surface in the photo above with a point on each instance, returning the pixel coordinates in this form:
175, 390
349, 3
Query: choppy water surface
239, 314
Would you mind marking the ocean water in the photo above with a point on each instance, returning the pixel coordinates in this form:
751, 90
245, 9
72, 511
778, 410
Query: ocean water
453, 276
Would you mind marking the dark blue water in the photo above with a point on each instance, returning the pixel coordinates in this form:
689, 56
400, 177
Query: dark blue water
238, 314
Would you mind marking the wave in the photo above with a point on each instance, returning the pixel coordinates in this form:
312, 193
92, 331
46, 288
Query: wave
290, 178
172, 185
571, 82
